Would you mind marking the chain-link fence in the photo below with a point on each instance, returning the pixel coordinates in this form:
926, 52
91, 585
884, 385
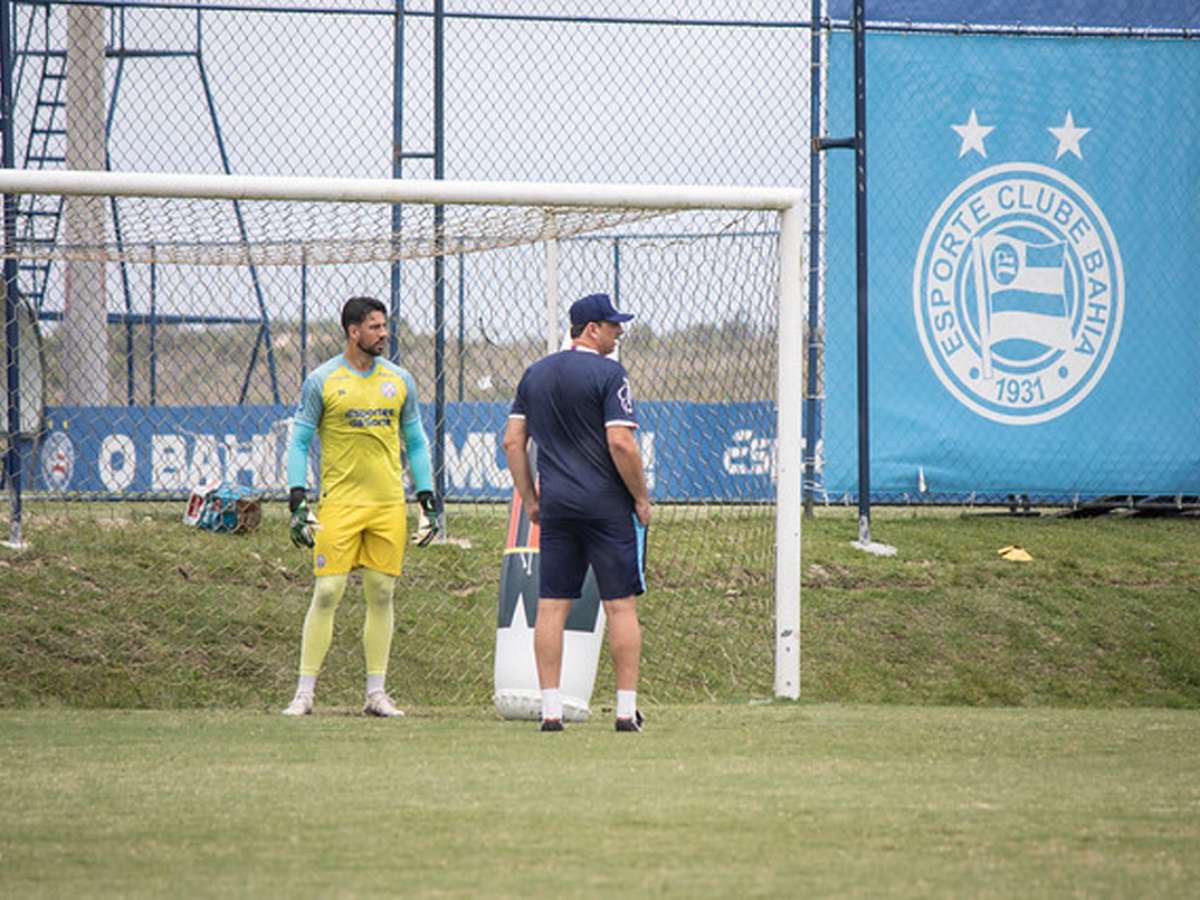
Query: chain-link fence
707, 378
1029, 314
160, 370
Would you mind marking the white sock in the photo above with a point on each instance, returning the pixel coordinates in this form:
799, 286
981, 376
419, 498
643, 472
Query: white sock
626, 704
551, 703
374, 683
307, 684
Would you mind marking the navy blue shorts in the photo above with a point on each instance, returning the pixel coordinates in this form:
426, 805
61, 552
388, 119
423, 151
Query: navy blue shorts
614, 548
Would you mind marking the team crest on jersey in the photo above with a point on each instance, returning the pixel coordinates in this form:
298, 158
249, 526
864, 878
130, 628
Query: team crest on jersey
58, 461
625, 397
1018, 293
388, 389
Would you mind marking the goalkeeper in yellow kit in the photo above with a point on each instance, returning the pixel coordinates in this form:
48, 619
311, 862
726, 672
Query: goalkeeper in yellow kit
360, 405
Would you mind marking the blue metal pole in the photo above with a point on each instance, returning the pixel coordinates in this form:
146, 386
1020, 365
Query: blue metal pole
304, 317
462, 325
153, 334
439, 261
812, 411
12, 334
860, 240
617, 272
397, 165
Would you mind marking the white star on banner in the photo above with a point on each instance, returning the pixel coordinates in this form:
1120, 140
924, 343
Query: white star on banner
972, 134
1068, 136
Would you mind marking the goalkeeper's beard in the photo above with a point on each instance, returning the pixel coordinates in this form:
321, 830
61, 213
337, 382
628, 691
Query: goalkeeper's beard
375, 349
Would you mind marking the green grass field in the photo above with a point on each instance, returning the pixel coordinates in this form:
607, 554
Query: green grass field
968, 726
779, 800
124, 607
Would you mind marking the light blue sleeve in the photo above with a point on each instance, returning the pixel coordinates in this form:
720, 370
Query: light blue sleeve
415, 441
297, 453
304, 426
312, 398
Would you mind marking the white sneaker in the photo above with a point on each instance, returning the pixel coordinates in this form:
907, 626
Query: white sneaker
301, 705
380, 704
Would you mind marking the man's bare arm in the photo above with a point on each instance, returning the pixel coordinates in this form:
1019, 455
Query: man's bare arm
627, 457
516, 441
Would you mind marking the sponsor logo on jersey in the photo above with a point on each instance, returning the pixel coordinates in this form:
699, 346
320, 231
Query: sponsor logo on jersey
370, 418
625, 397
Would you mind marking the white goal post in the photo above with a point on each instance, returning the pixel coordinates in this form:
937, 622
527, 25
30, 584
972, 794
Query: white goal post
557, 200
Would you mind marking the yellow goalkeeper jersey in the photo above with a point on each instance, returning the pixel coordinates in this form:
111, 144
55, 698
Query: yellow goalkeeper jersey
360, 418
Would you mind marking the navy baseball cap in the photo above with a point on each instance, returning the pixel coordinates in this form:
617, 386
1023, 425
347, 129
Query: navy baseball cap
596, 308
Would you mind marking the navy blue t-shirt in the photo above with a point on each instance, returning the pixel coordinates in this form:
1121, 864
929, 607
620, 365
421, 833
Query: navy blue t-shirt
568, 399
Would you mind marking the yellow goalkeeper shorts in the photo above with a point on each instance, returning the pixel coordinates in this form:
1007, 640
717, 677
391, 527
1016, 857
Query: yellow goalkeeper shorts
350, 537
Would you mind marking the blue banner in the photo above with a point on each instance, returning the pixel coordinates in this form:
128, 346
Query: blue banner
1033, 237
693, 452
1138, 14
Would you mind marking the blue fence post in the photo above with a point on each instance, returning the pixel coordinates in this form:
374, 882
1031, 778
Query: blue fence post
439, 261
303, 315
860, 241
397, 167
153, 329
812, 429
617, 272
462, 327
12, 332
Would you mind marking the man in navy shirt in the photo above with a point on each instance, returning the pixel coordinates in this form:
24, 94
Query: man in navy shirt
592, 504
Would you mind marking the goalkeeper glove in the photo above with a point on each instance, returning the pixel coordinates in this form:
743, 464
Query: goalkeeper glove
303, 521
427, 519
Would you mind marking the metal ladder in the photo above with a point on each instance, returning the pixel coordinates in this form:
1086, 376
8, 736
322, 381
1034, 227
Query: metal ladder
38, 217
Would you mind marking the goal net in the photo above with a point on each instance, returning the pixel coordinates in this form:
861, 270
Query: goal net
158, 329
